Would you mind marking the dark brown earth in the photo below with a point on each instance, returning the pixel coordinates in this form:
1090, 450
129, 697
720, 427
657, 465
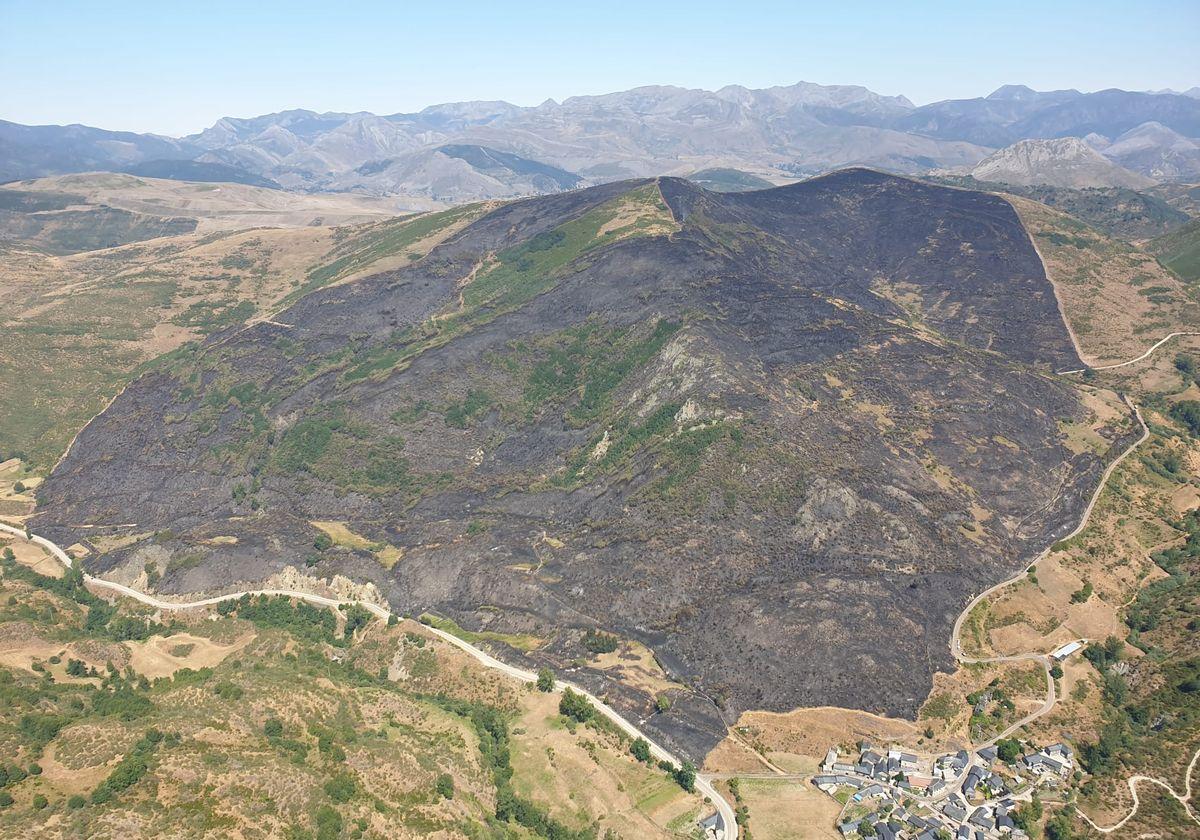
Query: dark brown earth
829, 422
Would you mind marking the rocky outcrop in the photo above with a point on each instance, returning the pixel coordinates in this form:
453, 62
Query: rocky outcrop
1063, 162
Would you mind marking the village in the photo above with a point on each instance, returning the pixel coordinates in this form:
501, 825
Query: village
896, 795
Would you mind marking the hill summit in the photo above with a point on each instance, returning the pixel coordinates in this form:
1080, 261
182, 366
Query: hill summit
767, 434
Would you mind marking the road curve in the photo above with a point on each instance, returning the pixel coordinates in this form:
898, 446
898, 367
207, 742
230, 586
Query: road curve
1145, 355
1134, 781
955, 636
703, 784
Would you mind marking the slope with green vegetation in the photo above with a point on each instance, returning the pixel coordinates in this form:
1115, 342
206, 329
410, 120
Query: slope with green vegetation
1117, 211
627, 409
1179, 250
269, 718
1118, 299
79, 328
729, 180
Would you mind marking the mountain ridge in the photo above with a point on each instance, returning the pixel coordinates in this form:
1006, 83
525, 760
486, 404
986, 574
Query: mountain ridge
778, 132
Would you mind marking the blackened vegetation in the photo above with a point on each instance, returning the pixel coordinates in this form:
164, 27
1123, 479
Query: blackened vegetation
781, 445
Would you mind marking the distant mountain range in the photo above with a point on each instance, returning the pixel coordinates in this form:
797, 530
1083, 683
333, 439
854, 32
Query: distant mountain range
472, 150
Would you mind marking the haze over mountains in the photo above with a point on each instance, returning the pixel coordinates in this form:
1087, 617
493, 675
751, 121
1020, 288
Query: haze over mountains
474, 150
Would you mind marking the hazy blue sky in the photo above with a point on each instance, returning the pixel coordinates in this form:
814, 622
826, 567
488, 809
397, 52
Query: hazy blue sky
175, 67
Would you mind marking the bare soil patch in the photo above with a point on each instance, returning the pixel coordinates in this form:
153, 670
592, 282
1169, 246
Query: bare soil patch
162, 656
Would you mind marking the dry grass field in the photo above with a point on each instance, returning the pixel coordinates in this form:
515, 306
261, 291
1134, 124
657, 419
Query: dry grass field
221, 725
216, 206
78, 327
1116, 299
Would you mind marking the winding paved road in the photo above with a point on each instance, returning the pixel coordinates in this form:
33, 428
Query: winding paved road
1044, 658
1134, 361
703, 784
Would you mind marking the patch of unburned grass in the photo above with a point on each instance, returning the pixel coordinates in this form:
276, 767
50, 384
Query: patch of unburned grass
520, 641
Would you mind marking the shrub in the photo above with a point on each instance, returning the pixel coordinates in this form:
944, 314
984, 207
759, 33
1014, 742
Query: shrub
445, 786
228, 691
76, 802
545, 679
341, 787
39, 802
273, 728
329, 823
575, 706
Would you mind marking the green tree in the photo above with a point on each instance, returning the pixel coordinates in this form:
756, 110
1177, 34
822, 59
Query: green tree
1056, 672
685, 775
445, 786
640, 748
575, 706
545, 679
1059, 827
662, 703
1008, 750
340, 788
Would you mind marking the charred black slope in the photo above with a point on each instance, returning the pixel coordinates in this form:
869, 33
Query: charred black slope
779, 436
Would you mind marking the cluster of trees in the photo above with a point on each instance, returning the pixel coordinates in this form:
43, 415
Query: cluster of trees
133, 766
299, 618
597, 642
11, 774
1187, 412
356, 616
1027, 816
102, 618
742, 810
494, 747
